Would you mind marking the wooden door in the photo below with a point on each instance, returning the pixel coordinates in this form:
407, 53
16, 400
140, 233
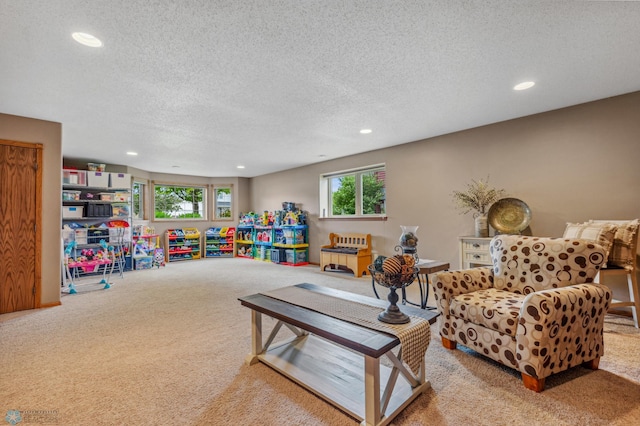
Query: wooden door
20, 217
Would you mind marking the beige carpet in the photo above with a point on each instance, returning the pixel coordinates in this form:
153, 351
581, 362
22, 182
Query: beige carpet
167, 346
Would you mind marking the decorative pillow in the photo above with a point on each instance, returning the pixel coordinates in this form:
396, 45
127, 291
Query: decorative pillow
600, 233
622, 253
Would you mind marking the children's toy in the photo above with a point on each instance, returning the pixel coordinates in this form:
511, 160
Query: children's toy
158, 257
88, 262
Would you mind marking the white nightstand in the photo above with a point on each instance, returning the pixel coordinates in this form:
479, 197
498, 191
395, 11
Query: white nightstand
474, 251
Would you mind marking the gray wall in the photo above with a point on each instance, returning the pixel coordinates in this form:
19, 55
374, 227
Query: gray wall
571, 164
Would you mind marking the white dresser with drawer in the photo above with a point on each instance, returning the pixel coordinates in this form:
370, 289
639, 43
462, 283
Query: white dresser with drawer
474, 252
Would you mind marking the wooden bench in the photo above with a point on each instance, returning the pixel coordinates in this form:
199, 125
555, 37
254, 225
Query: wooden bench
352, 251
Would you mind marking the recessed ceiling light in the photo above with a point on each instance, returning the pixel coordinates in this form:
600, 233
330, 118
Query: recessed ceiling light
524, 85
87, 39
240, 167
176, 167
131, 153
365, 131
322, 155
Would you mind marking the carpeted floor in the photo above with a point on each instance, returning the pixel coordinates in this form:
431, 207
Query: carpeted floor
167, 346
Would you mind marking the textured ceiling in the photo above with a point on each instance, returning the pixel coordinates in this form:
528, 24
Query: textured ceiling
276, 84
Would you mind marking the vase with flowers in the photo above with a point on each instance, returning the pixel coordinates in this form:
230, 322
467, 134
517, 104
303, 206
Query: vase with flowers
478, 197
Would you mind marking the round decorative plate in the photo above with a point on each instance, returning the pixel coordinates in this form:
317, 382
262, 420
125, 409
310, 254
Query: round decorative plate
509, 216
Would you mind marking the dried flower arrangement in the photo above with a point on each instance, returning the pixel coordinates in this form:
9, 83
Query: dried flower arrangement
478, 196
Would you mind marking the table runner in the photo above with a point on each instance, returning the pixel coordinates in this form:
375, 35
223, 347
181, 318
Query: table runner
414, 336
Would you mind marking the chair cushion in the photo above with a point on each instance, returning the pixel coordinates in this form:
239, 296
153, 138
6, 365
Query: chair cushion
345, 250
600, 233
526, 264
492, 308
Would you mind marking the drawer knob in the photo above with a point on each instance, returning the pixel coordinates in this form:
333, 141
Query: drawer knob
476, 256
476, 245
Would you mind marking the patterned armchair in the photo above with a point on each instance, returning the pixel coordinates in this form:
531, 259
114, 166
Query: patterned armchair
536, 310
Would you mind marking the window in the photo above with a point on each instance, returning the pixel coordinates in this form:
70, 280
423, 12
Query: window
222, 197
353, 193
179, 202
138, 200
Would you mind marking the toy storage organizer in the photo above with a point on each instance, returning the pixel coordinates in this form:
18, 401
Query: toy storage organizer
262, 240
291, 242
182, 244
286, 245
218, 242
244, 241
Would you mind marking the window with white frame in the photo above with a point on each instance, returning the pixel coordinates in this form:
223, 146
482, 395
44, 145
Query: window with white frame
137, 200
223, 202
176, 202
353, 193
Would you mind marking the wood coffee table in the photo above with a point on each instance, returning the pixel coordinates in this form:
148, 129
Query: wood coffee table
335, 359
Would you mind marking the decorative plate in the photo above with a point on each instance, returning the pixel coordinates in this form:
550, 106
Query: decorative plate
509, 216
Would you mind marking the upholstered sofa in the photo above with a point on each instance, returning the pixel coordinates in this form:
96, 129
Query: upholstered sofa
536, 310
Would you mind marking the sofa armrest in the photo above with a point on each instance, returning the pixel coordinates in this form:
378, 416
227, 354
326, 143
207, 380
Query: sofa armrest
561, 328
452, 283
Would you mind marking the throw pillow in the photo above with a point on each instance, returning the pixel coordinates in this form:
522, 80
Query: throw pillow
622, 252
600, 233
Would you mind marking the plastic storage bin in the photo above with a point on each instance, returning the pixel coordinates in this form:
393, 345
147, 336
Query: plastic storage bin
71, 212
99, 210
68, 235
121, 210
122, 196
71, 195
74, 177
94, 235
119, 234
145, 262
278, 255
98, 179
119, 180
81, 236
296, 257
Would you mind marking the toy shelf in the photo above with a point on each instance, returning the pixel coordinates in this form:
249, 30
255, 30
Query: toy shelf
182, 244
218, 242
244, 241
96, 208
291, 245
279, 237
262, 241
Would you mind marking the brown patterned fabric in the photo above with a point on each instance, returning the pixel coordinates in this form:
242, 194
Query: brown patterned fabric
536, 310
527, 264
492, 308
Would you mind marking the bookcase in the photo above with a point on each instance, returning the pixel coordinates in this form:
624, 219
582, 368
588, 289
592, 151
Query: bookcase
96, 208
219, 242
291, 245
244, 241
182, 244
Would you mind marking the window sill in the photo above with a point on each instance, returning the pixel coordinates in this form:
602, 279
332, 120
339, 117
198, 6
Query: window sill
179, 220
368, 218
